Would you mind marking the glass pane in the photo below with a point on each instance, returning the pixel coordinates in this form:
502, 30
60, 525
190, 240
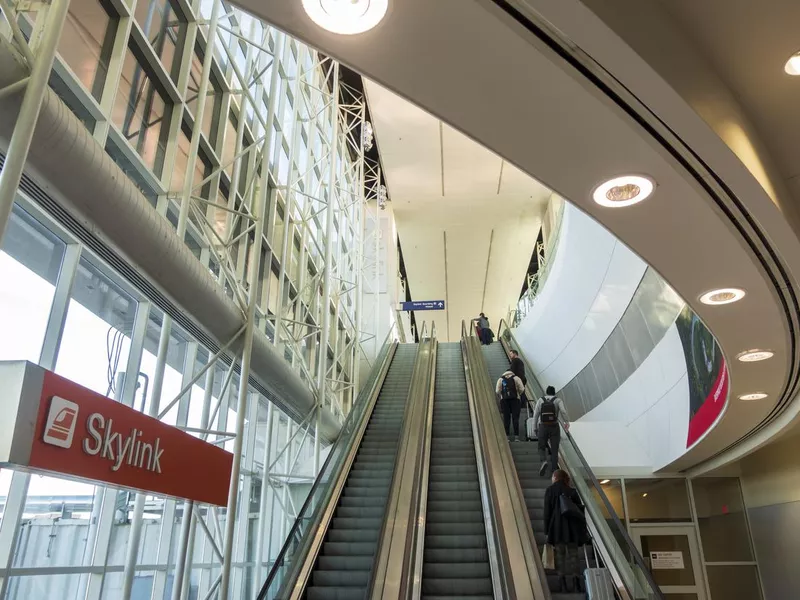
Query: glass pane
734, 582
163, 29
141, 112
29, 265
86, 42
620, 355
43, 586
213, 98
669, 558
657, 500
96, 338
636, 333
720, 517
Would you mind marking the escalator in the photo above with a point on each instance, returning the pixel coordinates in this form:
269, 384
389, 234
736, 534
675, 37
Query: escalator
456, 556
612, 546
526, 461
343, 567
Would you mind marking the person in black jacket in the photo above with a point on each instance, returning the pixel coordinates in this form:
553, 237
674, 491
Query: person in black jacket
565, 532
517, 367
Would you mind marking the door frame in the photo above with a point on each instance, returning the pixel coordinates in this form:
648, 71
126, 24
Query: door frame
690, 531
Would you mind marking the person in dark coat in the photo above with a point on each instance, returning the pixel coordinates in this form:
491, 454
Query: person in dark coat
566, 533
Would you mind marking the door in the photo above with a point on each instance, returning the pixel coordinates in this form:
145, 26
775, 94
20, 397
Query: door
673, 557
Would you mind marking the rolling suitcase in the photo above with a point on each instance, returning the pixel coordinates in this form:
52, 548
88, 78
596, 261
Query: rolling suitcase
598, 582
530, 426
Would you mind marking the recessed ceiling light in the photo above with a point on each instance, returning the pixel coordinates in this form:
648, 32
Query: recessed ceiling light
792, 66
623, 191
722, 296
753, 396
644, 495
605, 481
755, 355
346, 17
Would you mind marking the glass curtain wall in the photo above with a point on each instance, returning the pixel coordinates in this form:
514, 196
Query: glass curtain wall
133, 73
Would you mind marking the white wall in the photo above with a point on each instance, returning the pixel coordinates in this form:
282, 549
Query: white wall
643, 425
610, 449
591, 282
652, 405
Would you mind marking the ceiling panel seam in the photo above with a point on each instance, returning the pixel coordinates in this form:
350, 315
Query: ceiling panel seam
446, 291
488, 260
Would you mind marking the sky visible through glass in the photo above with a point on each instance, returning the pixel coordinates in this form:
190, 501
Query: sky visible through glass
25, 300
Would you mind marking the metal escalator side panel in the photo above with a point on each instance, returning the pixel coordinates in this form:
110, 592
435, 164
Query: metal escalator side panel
414, 590
300, 570
518, 561
393, 570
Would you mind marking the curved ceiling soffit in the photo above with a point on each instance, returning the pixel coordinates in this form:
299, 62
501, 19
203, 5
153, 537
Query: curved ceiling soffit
508, 86
733, 185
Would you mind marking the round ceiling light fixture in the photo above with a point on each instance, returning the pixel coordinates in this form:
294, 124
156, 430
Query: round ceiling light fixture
623, 191
753, 396
722, 296
755, 355
792, 66
346, 17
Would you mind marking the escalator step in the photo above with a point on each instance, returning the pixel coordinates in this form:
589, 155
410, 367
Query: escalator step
462, 587
457, 570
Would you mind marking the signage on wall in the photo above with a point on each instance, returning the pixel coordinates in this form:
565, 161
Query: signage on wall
66, 429
707, 374
423, 305
666, 560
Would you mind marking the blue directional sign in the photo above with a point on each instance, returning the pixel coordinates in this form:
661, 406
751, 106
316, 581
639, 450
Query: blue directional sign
424, 305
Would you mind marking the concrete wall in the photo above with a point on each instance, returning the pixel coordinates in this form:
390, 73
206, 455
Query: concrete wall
771, 487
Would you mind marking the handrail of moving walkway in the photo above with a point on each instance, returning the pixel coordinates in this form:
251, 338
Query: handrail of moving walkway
632, 571
516, 565
283, 576
401, 540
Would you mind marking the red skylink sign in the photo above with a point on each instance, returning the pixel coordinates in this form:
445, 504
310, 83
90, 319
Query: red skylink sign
79, 433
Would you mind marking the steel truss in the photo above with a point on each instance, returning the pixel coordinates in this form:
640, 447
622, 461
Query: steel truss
329, 195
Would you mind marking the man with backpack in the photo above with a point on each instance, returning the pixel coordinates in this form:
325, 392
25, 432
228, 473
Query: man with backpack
510, 390
518, 368
547, 412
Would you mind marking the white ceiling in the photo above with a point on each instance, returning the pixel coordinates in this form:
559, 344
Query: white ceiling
467, 220
490, 76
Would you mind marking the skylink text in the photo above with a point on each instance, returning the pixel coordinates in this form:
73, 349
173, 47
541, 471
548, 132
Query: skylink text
129, 450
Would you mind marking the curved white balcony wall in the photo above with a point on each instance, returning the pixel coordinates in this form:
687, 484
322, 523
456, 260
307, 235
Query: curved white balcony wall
591, 282
650, 407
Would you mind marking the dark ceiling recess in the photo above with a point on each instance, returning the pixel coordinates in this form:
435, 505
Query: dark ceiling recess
401, 265
533, 265
356, 83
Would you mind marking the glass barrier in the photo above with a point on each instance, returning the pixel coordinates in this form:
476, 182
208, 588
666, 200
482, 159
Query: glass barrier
608, 531
318, 496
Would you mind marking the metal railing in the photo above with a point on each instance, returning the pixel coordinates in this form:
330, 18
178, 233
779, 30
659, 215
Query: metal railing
617, 548
397, 570
515, 564
331, 477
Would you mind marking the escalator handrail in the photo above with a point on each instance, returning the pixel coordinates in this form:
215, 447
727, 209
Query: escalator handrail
523, 579
399, 583
379, 368
595, 483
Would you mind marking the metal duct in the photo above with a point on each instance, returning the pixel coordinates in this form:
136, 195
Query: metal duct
101, 202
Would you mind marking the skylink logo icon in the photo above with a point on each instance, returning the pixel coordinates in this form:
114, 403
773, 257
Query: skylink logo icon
129, 450
61, 420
